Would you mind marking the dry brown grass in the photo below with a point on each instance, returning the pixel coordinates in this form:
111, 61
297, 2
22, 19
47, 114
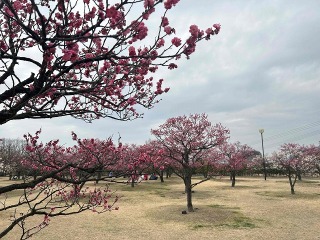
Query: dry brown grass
254, 209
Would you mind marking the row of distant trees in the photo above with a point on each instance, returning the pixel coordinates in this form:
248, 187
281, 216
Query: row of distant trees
184, 145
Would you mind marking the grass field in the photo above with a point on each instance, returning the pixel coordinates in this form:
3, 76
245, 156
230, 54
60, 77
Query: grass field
254, 209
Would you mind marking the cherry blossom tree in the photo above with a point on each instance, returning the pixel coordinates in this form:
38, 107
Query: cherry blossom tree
61, 187
133, 163
86, 59
185, 139
158, 161
290, 159
235, 157
312, 157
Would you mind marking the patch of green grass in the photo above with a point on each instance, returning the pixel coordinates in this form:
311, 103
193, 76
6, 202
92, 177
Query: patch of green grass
223, 207
239, 221
199, 226
243, 222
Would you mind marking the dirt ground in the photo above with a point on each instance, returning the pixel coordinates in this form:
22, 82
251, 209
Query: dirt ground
254, 209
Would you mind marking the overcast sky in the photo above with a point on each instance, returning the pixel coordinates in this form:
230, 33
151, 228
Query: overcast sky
261, 71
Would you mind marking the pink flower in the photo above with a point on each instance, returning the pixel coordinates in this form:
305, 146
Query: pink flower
169, 3
67, 55
176, 41
148, 3
160, 43
3, 45
132, 51
142, 31
131, 101
89, 55
17, 5
172, 66
112, 12
165, 22
194, 30
217, 27
86, 1
209, 31
168, 30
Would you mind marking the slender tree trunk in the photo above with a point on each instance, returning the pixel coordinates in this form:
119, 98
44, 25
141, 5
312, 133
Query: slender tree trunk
291, 185
188, 190
233, 178
292, 182
205, 171
161, 176
98, 177
299, 175
168, 172
132, 181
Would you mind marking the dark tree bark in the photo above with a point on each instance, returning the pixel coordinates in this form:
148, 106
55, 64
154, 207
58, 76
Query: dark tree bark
233, 178
188, 190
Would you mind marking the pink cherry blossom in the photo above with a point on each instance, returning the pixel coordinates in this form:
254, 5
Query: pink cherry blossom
176, 41
168, 30
164, 22
194, 30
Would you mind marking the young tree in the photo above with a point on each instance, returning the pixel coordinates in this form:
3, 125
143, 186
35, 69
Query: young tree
185, 139
290, 159
235, 157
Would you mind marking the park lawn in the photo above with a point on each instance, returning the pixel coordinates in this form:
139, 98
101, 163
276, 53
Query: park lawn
254, 209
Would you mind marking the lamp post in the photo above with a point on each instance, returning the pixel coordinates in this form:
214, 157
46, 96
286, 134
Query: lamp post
261, 131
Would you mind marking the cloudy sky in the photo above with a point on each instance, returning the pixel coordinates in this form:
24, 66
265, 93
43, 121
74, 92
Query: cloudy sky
261, 71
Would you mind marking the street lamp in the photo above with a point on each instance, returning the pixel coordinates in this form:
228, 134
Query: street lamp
261, 131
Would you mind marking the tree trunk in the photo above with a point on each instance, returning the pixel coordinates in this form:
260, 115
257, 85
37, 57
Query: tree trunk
168, 172
188, 190
299, 175
291, 183
161, 176
233, 178
98, 177
205, 171
133, 177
